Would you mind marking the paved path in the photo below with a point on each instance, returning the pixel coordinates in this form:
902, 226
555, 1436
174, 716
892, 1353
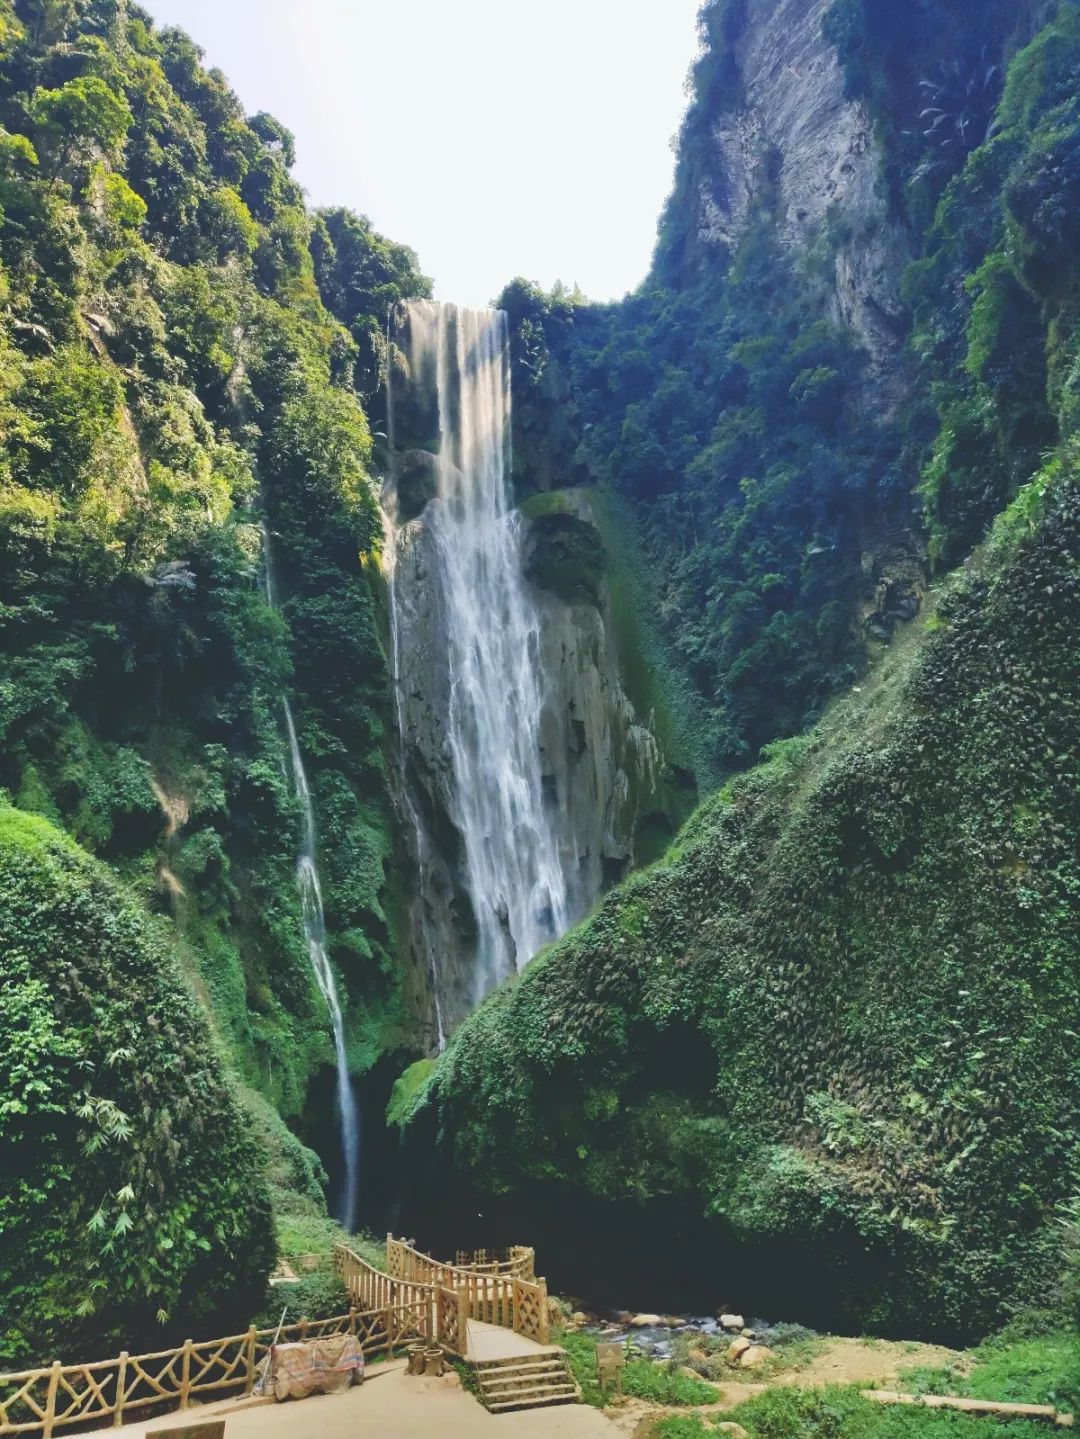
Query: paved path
492, 1341
390, 1405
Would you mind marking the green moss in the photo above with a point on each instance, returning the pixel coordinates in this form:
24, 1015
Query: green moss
564, 554
130, 1188
407, 1090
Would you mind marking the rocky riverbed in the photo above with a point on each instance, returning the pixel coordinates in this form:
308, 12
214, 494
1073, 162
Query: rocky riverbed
657, 1336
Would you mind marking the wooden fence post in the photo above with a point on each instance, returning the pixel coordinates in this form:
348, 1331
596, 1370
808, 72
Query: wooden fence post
249, 1360
303, 1329
185, 1375
352, 1320
50, 1400
387, 1321
121, 1385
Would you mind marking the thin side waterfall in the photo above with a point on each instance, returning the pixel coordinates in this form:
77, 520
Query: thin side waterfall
311, 903
482, 632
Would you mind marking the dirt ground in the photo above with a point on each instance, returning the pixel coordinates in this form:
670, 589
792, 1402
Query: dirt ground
877, 1363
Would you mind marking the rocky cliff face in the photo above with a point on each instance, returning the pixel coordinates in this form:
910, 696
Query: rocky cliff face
616, 799
792, 139
604, 759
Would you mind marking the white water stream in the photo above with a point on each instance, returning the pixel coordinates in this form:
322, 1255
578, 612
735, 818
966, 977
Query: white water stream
512, 867
311, 903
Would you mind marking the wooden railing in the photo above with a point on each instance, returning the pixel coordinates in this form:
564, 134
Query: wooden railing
436, 1313
519, 1261
496, 1291
41, 1402
422, 1300
405, 1262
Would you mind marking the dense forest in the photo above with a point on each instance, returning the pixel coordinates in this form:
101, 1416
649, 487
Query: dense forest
186, 352
817, 475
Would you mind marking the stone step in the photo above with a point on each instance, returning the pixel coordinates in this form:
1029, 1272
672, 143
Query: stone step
520, 1371
536, 1356
524, 1381
539, 1400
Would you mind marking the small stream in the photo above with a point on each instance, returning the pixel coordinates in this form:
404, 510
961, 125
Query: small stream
656, 1341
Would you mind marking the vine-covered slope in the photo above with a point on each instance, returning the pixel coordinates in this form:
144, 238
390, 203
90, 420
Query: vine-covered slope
131, 1193
186, 353
170, 374
838, 1022
842, 1014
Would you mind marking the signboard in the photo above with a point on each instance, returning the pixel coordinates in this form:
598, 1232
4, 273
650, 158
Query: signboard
610, 1362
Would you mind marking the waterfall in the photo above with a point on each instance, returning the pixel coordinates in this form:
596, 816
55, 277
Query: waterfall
311, 903
466, 626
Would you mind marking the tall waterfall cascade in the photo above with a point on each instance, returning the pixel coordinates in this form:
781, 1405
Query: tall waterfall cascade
518, 748
311, 904
511, 859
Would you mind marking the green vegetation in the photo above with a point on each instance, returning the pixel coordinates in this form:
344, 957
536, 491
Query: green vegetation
1028, 1363
642, 1378
783, 1036
405, 1090
131, 1195
181, 349
788, 1413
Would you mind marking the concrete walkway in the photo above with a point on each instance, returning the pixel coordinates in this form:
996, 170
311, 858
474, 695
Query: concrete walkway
492, 1341
389, 1405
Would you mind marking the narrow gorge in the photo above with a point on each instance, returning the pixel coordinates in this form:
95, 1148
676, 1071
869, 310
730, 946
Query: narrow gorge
600, 774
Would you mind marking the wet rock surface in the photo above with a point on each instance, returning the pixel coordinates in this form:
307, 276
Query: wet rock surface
653, 1335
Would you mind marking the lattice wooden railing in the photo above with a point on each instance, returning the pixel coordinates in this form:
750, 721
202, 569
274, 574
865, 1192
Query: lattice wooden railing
405, 1262
518, 1261
531, 1315
496, 1291
42, 1402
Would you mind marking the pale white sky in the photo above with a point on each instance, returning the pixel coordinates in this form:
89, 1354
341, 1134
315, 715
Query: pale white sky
497, 137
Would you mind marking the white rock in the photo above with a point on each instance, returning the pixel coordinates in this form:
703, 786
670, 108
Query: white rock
732, 1321
646, 1321
754, 1355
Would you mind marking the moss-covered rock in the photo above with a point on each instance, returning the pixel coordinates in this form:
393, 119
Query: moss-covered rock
130, 1192
564, 554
